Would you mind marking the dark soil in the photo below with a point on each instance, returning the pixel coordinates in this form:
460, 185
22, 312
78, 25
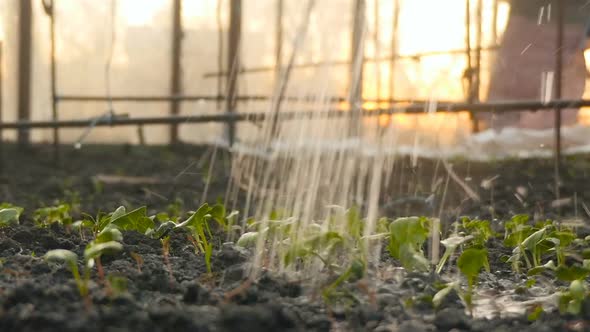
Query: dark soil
39, 296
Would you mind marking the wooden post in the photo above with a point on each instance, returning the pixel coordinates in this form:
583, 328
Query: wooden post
477, 73
376, 60
478, 47
48, 6
394, 33
558, 87
220, 47
279, 41
25, 37
469, 73
1, 109
356, 69
233, 64
176, 79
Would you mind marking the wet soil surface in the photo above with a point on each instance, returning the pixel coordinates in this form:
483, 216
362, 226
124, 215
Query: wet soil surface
39, 296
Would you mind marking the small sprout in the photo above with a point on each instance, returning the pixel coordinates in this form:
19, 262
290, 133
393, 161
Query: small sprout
62, 255
118, 285
60, 214
321, 246
165, 241
71, 260
572, 273
406, 239
571, 300
198, 225
136, 220
9, 216
450, 245
470, 263
138, 260
95, 250
532, 242
444, 292
162, 231
549, 266
248, 239
354, 272
530, 282
479, 230
536, 313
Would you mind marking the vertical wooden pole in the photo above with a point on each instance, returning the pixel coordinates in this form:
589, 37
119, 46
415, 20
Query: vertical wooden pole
558, 87
478, 47
279, 41
25, 37
233, 64
394, 32
1, 108
377, 50
477, 73
50, 11
176, 78
356, 68
469, 73
220, 59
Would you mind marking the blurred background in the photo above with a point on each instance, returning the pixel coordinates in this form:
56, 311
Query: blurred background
413, 50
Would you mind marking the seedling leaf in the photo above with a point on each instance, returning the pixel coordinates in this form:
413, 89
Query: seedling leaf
472, 261
572, 273
136, 220
248, 239
9, 216
95, 250
61, 255
407, 236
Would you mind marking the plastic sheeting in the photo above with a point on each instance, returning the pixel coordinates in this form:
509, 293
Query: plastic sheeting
136, 36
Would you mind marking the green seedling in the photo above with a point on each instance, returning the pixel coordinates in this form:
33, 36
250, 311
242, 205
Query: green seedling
322, 246
118, 285
198, 225
328, 245
532, 244
574, 272
451, 244
10, 215
165, 241
136, 220
479, 231
438, 298
571, 300
559, 241
59, 214
471, 234
138, 260
536, 313
516, 230
71, 260
543, 239
107, 242
354, 272
470, 263
248, 239
406, 239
